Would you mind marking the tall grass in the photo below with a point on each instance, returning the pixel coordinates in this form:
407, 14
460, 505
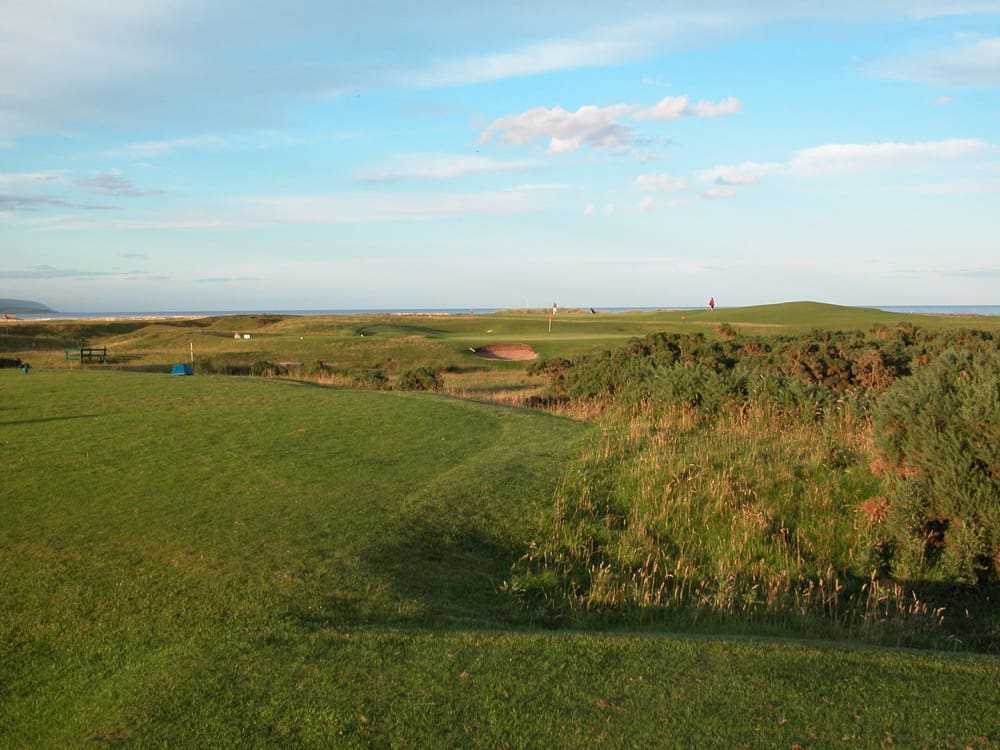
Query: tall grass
753, 518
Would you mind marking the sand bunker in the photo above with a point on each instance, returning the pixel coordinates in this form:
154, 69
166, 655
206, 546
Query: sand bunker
509, 352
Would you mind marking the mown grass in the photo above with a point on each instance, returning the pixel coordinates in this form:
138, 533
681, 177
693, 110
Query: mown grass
140, 513
210, 475
268, 686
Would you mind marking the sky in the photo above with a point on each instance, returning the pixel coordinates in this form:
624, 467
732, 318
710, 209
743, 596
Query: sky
172, 155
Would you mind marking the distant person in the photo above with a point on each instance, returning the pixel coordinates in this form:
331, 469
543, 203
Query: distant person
711, 302
25, 368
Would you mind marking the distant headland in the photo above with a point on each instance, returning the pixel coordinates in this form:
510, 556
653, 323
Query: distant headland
10, 307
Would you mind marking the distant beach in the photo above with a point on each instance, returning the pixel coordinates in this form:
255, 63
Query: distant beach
945, 309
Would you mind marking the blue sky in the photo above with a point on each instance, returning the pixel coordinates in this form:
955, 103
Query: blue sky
180, 155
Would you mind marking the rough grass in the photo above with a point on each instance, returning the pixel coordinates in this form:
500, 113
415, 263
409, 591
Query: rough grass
751, 520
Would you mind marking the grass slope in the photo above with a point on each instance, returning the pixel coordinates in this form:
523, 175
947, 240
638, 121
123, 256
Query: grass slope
144, 517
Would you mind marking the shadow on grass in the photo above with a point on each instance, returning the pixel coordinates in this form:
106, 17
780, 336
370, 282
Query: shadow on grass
398, 329
119, 359
162, 369
429, 575
464, 369
42, 420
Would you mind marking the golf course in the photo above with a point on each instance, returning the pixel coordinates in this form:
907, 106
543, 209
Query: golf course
728, 528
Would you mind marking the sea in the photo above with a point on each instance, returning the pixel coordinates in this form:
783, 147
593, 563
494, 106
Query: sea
991, 310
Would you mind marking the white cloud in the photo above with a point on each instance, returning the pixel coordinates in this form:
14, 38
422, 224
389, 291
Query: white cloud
65, 64
676, 107
441, 167
532, 59
54, 176
962, 187
942, 101
601, 39
29, 202
646, 204
718, 192
661, 182
342, 208
747, 173
839, 158
653, 28
724, 108
112, 183
47, 272
589, 210
597, 127
935, 8
852, 157
151, 149
974, 64
61, 59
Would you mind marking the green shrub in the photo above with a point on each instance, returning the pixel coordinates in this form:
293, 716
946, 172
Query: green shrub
696, 385
420, 379
220, 365
263, 367
371, 379
940, 431
552, 369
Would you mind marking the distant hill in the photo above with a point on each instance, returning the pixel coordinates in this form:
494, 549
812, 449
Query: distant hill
18, 306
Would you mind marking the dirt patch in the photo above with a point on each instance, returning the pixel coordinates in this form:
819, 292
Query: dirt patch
509, 352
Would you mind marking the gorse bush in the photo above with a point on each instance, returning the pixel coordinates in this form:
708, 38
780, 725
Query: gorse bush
368, 378
264, 368
420, 379
939, 430
832, 364
732, 484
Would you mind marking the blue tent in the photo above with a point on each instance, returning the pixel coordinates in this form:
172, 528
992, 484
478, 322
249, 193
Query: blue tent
182, 369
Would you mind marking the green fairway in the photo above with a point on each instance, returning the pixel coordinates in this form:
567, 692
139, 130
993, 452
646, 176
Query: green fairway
217, 561
395, 342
